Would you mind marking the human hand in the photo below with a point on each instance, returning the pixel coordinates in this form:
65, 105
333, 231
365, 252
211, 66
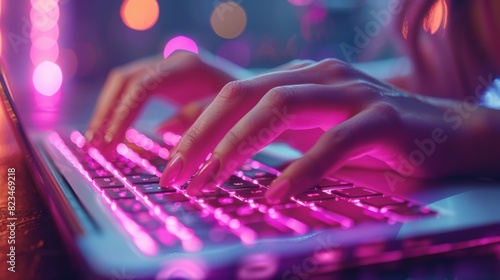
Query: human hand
358, 114
183, 77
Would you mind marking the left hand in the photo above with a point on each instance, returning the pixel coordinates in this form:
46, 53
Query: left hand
359, 115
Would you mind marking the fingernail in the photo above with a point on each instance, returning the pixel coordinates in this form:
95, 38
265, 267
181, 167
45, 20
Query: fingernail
108, 137
89, 135
172, 171
206, 177
278, 190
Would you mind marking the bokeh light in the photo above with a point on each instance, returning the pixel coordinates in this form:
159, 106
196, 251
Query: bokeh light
228, 20
437, 17
44, 42
38, 56
47, 78
180, 43
300, 2
311, 25
44, 19
140, 14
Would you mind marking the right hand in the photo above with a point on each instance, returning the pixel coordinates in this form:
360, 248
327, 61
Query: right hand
183, 78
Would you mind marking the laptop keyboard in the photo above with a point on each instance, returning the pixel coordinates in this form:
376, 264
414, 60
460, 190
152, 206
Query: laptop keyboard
237, 211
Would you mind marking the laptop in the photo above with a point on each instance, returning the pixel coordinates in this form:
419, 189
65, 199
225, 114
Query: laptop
120, 224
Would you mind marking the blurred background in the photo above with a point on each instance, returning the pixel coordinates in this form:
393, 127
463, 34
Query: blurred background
51, 47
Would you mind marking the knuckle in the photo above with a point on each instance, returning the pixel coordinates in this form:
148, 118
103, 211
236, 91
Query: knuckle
332, 63
192, 59
301, 62
278, 96
187, 55
365, 88
190, 138
339, 136
365, 91
333, 69
387, 111
231, 139
234, 90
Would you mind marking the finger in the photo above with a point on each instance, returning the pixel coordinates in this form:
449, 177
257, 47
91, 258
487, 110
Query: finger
362, 134
232, 103
286, 107
114, 87
182, 77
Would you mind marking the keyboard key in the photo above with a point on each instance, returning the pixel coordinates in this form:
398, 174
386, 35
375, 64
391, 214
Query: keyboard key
237, 185
118, 193
223, 202
90, 164
159, 163
266, 182
165, 238
99, 173
162, 198
191, 215
134, 171
347, 213
403, 213
301, 219
220, 234
355, 192
378, 202
265, 230
314, 195
201, 225
209, 193
245, 214
329, 184
108, 182
154, 188
120, 165
131, 205
145, 220
143, 179
251, 193
263, 203
182, 207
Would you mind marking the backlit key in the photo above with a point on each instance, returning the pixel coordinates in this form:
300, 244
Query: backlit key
118, 193
154, 188
315, 195
108, 182
252, 193
162, 198
355, 192
347, 213
131, 205
143, 179
378, 202
404, 213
